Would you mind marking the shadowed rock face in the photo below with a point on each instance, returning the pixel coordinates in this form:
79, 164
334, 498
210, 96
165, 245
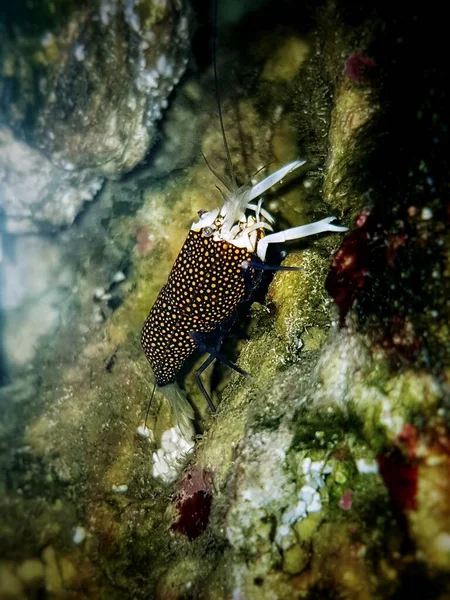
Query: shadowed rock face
86, 91
118, 64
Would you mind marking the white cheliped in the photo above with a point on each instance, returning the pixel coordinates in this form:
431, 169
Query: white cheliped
231, 224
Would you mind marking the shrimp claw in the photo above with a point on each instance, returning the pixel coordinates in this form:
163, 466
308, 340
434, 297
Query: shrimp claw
296, 233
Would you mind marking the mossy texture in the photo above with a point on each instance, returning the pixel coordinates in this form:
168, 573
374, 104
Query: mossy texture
325, 474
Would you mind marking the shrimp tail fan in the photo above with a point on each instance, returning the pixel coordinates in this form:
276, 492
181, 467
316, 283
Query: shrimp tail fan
182, 410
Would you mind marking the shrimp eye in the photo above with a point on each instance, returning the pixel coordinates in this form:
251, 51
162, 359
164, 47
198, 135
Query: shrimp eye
207, 231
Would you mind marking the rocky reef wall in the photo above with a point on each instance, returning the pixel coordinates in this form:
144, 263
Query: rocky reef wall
327, 473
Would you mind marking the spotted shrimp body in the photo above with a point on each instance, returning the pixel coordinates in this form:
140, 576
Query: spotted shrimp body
213, 273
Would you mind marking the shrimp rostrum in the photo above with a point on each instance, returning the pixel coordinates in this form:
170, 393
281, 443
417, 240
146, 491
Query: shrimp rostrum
216, 269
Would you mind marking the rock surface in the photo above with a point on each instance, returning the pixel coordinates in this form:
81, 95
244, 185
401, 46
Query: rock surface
36, 195
324, 475
85, 86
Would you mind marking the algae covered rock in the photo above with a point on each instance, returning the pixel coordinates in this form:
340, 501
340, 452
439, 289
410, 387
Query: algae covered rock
117, 64
85, 85
325, 474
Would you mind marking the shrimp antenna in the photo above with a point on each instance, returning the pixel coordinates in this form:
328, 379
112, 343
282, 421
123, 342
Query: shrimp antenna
216, 174
148, 406
219, 106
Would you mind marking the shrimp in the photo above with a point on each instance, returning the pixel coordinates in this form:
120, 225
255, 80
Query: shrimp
215, 271
217, 268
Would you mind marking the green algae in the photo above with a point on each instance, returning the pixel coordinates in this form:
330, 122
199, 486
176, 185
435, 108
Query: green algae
316, 392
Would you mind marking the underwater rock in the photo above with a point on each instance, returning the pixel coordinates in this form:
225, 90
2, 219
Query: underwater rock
31, 572
102, 108
36, 195
105, 71
83, 100
11, 587
37, 285
52, 575
325, 474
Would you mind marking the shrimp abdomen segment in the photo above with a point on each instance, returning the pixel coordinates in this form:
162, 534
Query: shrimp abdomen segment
204, 287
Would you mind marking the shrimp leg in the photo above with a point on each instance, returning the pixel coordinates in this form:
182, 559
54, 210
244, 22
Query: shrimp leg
214, 354
199, 382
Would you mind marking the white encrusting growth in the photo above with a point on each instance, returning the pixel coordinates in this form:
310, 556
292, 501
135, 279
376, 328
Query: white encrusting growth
308, 499
120, 489
107, 12
366, 467
80, 52
170, 458
426, 214
145, 432
79, 535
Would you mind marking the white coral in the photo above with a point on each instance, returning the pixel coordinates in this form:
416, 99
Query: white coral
170, 458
